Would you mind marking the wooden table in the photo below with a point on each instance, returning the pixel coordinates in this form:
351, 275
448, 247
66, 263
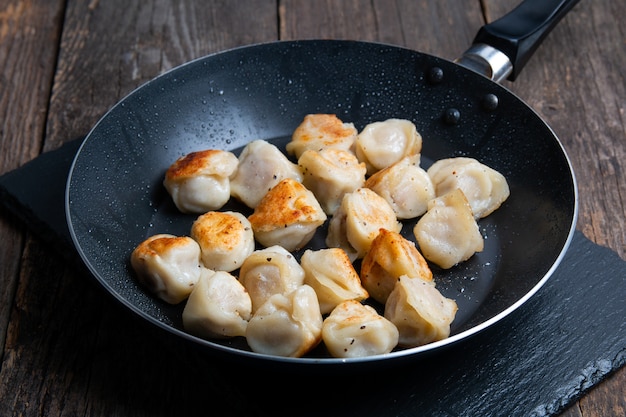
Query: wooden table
64, 63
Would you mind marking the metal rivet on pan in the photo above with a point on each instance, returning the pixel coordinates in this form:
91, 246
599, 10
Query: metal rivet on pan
490, 102
451, 116
435, 75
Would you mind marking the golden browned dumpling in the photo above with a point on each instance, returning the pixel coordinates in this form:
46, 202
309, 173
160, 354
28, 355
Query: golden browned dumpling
390, 257
168, 266
485, 188
321, 131
354, 330
225, 238
419, 311
288, 216
448, 233
200, 181
382, 144
405, 185
218, 307
330, 174
358, 220
287, 325
333, 277
270, 271
261, 166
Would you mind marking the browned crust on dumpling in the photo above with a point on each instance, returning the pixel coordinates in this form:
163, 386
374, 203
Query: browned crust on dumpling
218, 229
167, 265
391, 256
328, 126
323, 130
192, 164
287, 203
158, 244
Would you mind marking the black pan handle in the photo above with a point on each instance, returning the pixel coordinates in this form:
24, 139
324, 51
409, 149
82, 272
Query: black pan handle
514, 37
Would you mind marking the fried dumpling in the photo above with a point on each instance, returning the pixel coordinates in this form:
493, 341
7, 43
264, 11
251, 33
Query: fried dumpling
288, 325
358, 220
218, 307
168, 266
354, 330
200, 181
448, 233
485, 188
270, 271
390, 257
333, 277
225, 238
321, 131
419, 311
261, 166
382, 144
405, 185
330, 174
288, 216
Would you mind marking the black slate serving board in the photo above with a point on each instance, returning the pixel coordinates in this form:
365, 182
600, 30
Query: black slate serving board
535, 362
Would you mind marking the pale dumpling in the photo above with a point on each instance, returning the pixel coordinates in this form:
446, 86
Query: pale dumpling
330, 174
358, 220
287, 325
321, 131
390, 257
331, 274
218, 307
270, 271
200, 181
261, 166
354, 330
288, 216
485, 188
405, 185
419, 311
226, 239
448, 233
168, 266
382, 144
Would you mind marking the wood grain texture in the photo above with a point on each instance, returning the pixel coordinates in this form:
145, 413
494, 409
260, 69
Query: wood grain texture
29, 32
107, 51
437, 28
68, 349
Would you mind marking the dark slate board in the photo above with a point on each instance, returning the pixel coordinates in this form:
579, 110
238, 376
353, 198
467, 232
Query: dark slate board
537, 361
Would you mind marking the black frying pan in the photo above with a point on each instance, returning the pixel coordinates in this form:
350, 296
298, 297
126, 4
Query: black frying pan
115, 198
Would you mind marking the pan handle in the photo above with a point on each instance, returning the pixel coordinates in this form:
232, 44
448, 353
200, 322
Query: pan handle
501, 48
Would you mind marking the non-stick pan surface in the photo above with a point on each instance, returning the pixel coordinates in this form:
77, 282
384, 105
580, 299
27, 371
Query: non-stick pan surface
115, 197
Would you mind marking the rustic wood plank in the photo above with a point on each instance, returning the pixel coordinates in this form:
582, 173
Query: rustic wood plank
29, 32
415, 25
607, 399
106, 52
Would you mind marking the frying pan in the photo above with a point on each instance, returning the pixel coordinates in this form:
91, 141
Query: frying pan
115, 198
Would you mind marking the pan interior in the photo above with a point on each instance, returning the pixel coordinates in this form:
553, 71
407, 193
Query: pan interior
115, 198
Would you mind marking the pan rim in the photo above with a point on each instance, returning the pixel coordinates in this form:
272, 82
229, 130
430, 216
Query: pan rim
398, 354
